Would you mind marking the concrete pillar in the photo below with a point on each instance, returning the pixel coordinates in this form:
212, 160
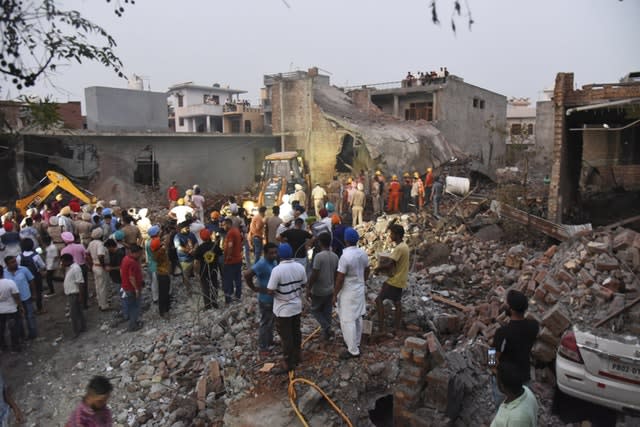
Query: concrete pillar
208, 124
396, 106
193, 125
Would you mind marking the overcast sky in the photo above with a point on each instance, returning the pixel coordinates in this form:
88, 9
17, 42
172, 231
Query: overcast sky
515, 47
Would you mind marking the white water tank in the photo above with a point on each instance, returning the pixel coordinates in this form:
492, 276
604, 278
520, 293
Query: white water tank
457, 185
135, 82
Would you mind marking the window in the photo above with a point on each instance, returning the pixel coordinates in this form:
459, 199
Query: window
482, 103
419, 111
181, 121
180, 100
476, 101
530, 129
516, 129
211, 99
247, 126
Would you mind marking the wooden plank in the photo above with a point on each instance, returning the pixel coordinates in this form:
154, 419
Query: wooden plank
440, 298
621, 223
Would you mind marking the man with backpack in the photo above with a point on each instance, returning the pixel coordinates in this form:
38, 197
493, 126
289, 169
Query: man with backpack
36, 266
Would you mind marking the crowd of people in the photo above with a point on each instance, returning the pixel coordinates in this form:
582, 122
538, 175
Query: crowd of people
289, 258
426, 77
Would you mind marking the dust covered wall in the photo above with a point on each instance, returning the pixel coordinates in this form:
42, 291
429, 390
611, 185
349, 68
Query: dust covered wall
543, 155
225, 164
305, 127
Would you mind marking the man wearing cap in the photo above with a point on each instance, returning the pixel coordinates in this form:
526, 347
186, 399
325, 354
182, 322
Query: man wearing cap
79, 254
97, 257
397, 265
286, 283
513, 341
353, 272
272, 224
358, 201
318, 194
82, 227
395, 190
152, 266
206, 262
428, 184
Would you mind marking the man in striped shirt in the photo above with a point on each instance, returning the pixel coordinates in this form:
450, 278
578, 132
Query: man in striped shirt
285, 284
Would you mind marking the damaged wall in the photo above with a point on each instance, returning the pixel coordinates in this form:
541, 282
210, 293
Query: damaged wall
225, 164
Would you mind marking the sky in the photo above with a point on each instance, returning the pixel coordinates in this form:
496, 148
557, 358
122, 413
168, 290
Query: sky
515, 47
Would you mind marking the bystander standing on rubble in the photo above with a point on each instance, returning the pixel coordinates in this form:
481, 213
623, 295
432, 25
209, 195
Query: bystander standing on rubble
132, 235
188, 197
358, 202
32, 260
271, 225
64, 220
116, 255
513, 341
143, 223
298, 239
256, 233
231, 275
82, 226
318, 194
185, 243
286, 223
428, 186
417, 192
405, 197
97, 254
337, 235
520, 407
180, 211
206, 259
24, 281
172, 195
262, 271
286, 283
377, 193
334, 193
28, 231
107, 223
349, 293
10, 309
214, 222
397, 266
299, 196
73, 289
93, 411
8, 402
198, 204
51, 260
163, 273
79, 254
152, 266
322, 283
132, 283
436, 195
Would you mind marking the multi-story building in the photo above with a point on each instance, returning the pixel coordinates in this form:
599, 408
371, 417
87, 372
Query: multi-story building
197, 108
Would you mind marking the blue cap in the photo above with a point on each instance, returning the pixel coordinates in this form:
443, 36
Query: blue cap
106, 211
329, 206
119, 235
285, 251
153, 231
351, 235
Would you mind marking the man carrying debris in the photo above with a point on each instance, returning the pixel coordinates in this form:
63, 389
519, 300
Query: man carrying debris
397, 264
513, 342
262, 270
286, 283
93, 409
349, 292
321, 284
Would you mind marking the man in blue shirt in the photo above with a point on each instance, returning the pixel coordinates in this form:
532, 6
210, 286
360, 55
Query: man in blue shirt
262, 270
24, 281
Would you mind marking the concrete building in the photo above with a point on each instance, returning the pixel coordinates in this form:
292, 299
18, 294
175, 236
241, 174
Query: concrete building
470, 117
125, 110
198, 109
337, 133
596, 152
17, 115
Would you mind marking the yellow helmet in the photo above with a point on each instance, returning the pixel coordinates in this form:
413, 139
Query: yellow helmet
349, 181
406, 175
416, 175
59, 197
429, 169
378, 173
394, 177
180, 202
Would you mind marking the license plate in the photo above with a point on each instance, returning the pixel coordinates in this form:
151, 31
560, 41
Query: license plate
623, 369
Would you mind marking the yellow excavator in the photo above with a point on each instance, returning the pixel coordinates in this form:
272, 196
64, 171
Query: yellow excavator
43, 190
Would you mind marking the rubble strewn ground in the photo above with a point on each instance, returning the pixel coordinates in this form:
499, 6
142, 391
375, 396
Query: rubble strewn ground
203, 368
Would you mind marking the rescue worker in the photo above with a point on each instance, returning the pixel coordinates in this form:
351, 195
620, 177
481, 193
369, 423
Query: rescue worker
395, 188
406, 192
377, 193
358, 202
428, 185
318, 195
417, 192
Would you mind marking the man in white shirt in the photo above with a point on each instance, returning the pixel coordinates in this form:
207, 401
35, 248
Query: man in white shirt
353, 272
9, 307
197, 200
73, 280
285, 284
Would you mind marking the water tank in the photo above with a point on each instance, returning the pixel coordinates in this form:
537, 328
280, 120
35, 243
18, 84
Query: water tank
135, 82
457, 185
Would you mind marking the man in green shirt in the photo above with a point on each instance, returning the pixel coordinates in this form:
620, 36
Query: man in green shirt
520, 407
397, 266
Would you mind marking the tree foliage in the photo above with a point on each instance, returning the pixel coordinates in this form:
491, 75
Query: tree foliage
38, 35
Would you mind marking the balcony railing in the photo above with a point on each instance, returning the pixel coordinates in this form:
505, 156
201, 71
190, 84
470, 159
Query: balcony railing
240, 108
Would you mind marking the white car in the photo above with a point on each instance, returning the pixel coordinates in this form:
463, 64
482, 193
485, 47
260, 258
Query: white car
600, 367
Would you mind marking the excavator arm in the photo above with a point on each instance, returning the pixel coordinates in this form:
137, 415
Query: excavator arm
56, 180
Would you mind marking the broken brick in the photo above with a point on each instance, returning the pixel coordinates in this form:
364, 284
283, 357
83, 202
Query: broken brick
597, 247
585, 278
415, 343
476, 327
564, 276
539, 294
549, 253
603, 292
624, 239
436, 353
613, 284
551, 286
540, 275
605, 262
548, 337
556, 319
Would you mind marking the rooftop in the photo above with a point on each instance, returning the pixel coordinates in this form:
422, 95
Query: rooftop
191, 85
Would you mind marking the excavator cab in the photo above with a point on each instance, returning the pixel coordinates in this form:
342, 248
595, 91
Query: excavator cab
51, 182
280, 173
